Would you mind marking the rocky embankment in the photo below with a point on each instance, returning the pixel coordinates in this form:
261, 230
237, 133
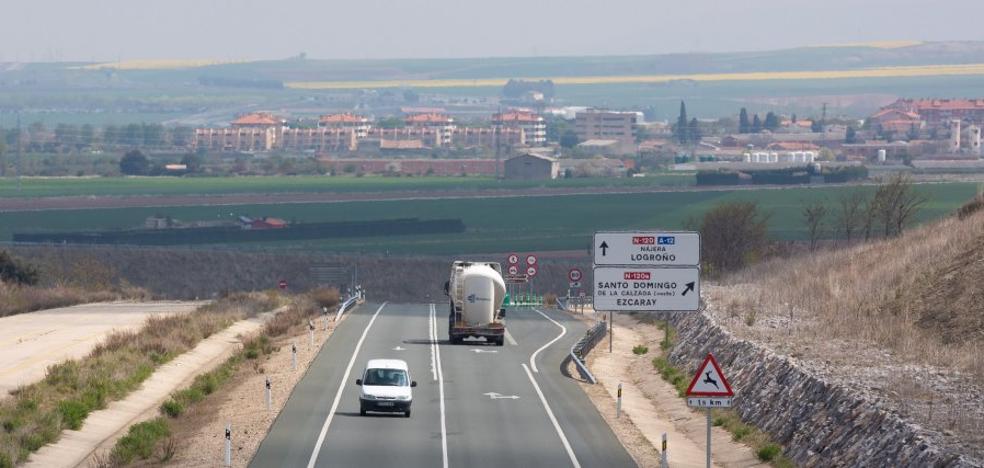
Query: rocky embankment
819, 423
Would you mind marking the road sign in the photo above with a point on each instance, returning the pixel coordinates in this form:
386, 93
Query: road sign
531, 260
513, 270
649, 248
516, 279
574, 275
282, 284
575, 284
513, 259
709, 381
531, 271
646, 289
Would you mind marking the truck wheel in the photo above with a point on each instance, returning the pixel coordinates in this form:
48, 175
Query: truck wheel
499, 341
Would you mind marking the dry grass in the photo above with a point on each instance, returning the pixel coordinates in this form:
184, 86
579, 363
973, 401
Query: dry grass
16, 299
875, 72
157, 64
918, 295
38, 413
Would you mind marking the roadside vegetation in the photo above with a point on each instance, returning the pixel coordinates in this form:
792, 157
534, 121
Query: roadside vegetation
154, 440
36, 414
728, 419
26, 287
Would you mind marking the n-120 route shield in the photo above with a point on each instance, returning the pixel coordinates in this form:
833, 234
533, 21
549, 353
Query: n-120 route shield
646, 289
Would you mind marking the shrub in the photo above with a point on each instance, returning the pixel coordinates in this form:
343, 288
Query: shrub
640, 350
549, 299
73, 413
172, 408
325, 297
971, 207
16, 271
139, 441
768, 452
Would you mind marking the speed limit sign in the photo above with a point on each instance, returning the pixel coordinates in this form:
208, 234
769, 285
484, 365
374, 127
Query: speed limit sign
574, 275
531, 260
513, 259
531, 271
513, 269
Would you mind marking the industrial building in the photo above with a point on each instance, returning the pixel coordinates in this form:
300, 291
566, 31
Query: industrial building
531, 166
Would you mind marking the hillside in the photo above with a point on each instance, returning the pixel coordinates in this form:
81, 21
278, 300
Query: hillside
899, 322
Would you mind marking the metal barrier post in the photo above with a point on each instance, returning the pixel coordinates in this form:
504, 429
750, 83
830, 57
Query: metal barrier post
269, 395
293, 356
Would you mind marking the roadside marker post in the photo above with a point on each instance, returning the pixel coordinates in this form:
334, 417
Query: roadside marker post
664, 461
618, 403
228, 445
310, 334
293, 356
269, 395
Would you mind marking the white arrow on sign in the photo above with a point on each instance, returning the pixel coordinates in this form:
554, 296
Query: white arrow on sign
647, 248
499, 396
476, 350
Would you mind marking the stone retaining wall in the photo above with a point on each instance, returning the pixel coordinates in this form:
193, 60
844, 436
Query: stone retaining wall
819, 424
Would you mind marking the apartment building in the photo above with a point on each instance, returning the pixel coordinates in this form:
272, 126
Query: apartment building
359, 124
533, 125
593, 124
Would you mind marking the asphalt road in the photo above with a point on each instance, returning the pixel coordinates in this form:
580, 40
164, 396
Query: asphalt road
475, 405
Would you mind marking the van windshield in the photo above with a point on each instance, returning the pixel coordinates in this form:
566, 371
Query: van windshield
386, 377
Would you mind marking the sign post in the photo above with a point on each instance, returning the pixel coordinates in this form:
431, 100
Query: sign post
709, 389
282, 284
646, 271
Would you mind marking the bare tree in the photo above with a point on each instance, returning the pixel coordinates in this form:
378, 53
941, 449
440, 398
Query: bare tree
815, 214
895, 204
852, 213
732, 235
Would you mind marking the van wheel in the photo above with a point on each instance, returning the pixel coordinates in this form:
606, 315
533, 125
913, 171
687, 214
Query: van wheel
406, 414
362, 411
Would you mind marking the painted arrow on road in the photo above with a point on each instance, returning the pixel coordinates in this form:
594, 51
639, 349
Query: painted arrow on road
399, 349
499, 396
484, 351
690, 287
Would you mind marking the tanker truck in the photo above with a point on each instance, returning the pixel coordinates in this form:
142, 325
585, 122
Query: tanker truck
476, 292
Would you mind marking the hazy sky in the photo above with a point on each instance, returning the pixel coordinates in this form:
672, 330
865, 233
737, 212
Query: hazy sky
102, 30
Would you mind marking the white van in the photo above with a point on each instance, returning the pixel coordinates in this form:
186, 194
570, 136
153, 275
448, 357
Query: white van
386, 387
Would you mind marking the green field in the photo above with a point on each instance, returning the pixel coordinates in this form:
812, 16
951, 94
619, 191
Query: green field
494, 225
123, 186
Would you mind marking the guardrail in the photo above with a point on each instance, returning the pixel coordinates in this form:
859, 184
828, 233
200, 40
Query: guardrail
584, 345
348, 304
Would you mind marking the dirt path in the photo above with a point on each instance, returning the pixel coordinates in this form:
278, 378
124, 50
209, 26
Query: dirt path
103, 427
33, 341
653, 405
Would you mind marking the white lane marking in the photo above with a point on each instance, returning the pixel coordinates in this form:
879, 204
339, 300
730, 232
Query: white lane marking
556, 425
499, 396
440, 387
433, 340
341, 387
510, 339
478, 351
398, 348
563, 331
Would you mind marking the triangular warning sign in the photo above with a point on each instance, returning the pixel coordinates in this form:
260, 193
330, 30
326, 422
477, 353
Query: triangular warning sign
709, 381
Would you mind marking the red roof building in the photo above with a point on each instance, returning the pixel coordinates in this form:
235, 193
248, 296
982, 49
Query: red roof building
937, 112
358, 123
258, 120
533, 125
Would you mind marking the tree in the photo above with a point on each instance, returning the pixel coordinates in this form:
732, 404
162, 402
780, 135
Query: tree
193, 161
411, 96
815, 215
682, 127
134, 162
756, 124
793, 118
852, 212
87, 135
816, 126
851, 136
771, 121
743, 125
693, 131
568, 139
913, 133
15, 271
894, 205
182, 136
733, 234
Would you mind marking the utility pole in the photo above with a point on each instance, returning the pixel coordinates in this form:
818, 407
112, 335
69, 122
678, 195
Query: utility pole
498, 130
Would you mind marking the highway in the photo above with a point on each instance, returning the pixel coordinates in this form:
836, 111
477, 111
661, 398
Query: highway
475, 405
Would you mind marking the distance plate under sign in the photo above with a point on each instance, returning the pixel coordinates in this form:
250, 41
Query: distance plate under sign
646, 289
650, 248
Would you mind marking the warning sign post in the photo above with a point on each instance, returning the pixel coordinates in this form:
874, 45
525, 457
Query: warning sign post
709, 389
